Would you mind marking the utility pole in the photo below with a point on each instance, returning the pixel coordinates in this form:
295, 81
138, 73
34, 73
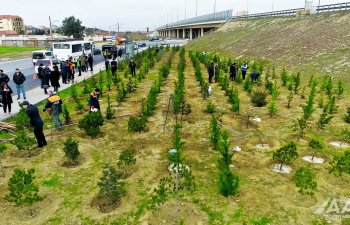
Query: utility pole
177, 11
185, 9
50, 25
214, 6
196, 8
273, 2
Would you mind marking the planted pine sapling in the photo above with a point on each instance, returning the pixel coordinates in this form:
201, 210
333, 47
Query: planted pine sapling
286, 154
109, 80
100, 82
71, 151
321, 102
258, 98
305, 180
86, 90
347, 116
215, 128
91, 123
22, 120
290, 98
2, 149
272, 107
178, 144
211, 107
121, 95
74, 95
109, 111
126, 161
332, 106
66, 114
309, 107
296, 79
235, 101
23, 142
284, 77
130, 86
346, 135
329, 86
274, 72
137, 124
248, 86
324, 119
316, 145
340, 164
23, 190
340, 88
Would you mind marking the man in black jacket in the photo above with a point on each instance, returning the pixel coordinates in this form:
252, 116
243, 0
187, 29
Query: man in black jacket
91, 62
114, 66
132, 66
3, 78
18, 79
36, 121
233, 71
211, 71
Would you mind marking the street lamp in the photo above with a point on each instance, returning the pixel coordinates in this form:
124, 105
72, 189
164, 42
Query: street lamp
185, 9
51, 23
196, 8
214, 6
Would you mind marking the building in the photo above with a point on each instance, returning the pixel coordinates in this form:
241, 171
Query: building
11, 23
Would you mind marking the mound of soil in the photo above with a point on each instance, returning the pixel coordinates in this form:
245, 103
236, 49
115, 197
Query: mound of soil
104, 204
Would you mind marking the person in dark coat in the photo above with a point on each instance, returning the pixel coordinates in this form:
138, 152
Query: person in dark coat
55, 78
211, 71
18, 79
46, 74
3, 78
114, 66
107, 64
132, 67
94, 103
254, 76
6, 93
36, 122
120, 52
91, 62
233, 71
64, 71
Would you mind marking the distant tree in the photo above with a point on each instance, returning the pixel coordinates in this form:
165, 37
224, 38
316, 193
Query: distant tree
38, 32
286, 154
72, 26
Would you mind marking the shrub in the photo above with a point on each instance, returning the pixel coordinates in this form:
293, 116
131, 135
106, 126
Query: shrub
248, 86
66, 114
300, 126
305, 180
91, 123
126, 160
215, 132
22, 189
309, 107
258, 98
22, 120
324, 119
284, 77
71, 150
341, 164
272, 107
109, 111
332, 106
347, 116
316, 145
137, 124
211, 107
24, 142
290, 98
110, 185
286, 154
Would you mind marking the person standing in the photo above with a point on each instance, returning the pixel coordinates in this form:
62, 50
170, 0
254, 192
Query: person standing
114, 66
18, 79
132, 66
105, 54
233, 71
211, 72
79, 66
54, 105
64, 72
55, 77
36, 122
6, 93
244, 68
120, 53
91, 62
46, 78
3, 78
71, 72
83, 63
94, 103
107, 64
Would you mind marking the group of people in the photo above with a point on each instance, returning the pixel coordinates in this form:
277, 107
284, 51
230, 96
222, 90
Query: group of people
113, 53
214, 68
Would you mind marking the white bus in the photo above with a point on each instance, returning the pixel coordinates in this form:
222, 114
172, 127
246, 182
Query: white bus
72, 50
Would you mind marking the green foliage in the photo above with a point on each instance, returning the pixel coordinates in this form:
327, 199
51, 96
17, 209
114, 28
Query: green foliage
296, 80
22, 120
346, 134
305, 180
22, 189
309, 107
91, 123
110, 184
258, 98
72, 26
234, 100
130, 86
299, 126
215, 130
122, 92
224, 149
272, 107
324, 119
316, 145
341, 164
24, 142
347, 116
286, 154
321, 102
248, 86
332, 106
71, 150
66, 114
127, 157
290, 98
178, 144
211, 107
74, 94
109, 111
284, 77
2, 149
137, 124
340, 88
328, 86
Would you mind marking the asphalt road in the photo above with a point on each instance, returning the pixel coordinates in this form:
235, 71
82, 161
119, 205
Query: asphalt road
27, 68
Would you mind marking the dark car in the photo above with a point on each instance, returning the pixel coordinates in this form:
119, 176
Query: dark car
97, 51
142, 45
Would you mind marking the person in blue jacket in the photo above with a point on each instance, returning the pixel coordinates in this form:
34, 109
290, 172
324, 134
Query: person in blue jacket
244, 68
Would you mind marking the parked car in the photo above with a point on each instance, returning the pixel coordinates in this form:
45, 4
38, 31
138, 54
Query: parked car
136, 47
37, 55
142, 45
47, 62
97, 51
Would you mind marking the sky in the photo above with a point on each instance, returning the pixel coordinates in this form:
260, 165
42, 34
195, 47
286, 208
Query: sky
133, 15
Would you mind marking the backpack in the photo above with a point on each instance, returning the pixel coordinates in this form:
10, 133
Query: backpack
47, 71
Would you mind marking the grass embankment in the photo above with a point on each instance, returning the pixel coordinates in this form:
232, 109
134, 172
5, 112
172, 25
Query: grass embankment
14, 52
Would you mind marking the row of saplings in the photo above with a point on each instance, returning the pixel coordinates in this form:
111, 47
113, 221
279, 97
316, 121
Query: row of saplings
304, 176
24, 191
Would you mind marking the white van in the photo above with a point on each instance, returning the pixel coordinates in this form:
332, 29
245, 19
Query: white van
37, 55
72, 50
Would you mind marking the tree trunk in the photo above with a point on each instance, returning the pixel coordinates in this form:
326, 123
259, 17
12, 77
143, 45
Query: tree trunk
281, 166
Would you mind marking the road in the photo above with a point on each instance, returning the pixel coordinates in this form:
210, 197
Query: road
27, 68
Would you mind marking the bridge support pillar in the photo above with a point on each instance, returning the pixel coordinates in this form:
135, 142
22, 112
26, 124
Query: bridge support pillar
191, 33
202, 32
183, 33
177, 33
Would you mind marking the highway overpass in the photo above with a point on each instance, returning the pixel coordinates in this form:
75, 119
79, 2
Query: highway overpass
195, 27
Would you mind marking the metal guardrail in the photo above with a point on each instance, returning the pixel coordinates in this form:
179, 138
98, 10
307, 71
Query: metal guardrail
333, 7
290, 12
219, 16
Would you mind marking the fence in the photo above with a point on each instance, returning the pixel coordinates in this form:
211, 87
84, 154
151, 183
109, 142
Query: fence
333, 7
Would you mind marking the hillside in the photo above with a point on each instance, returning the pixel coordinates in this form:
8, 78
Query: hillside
314, 44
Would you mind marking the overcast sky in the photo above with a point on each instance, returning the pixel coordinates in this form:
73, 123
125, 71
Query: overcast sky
134, 14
